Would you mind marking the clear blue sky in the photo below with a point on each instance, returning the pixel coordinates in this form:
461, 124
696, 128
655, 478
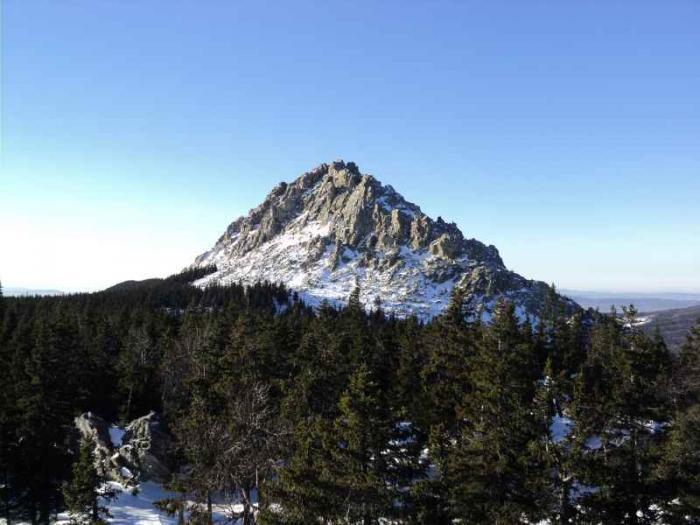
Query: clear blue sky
565, 133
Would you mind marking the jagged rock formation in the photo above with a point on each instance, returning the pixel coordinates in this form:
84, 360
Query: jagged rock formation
141, 454
93, 428
333, 228
146, 446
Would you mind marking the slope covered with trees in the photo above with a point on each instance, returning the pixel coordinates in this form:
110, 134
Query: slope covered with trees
348, 416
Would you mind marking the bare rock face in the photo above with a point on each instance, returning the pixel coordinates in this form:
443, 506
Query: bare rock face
93, 428
334, 227
145, 448
142, 454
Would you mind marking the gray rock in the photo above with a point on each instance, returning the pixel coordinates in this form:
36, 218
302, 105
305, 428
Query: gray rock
334, 226
93, 428
145, 448
142, 455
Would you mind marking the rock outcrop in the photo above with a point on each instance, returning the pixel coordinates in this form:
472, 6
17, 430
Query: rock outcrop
334, 227
142, 453
145, 448
93, 428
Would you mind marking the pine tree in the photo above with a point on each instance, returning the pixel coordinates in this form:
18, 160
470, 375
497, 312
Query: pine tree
309, 409
621, 406
362, 432
494, 468
199, 434
449, 346
348, 468
679, 470
445, 376
354, 302
49, 392
410, 360
86, 491
554, 451
7, 421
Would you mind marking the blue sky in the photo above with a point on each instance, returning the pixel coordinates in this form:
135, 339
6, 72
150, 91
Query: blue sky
565, 133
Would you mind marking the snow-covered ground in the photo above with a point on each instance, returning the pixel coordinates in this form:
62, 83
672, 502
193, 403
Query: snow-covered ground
135, 508
288, 258
131, 507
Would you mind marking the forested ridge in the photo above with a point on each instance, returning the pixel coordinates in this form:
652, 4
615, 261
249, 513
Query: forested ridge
352, 416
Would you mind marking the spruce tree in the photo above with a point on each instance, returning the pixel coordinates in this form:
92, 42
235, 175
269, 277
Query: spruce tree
360, 467
450, 347
554, 449
48, 396
302, 487
621, 412
495, 468
450, 343
679, 470
354, 302
86, 492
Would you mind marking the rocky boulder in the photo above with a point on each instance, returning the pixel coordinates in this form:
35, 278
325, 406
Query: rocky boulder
145, 449
93, 428
142, 453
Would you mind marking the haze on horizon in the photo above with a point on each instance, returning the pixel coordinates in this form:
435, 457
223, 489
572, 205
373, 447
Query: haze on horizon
566, 134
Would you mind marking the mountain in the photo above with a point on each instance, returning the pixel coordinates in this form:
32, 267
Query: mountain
674, 325
334, 228
16, 291
644, 302
132, 284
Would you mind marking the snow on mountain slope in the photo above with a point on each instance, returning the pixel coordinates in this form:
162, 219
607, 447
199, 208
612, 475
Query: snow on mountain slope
334, 228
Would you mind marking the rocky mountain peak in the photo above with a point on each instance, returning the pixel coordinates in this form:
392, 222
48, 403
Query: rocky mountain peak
361, 213
334, 226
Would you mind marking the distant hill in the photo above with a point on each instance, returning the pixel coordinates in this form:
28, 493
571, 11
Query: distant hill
643, 302
132, 285
15, 291
673, 324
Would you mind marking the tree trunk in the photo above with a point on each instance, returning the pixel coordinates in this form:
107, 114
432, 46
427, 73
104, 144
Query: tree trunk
564, 504
246, 506
44, 507
32, 511
210, 518
128, 402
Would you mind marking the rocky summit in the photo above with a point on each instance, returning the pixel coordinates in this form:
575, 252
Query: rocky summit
334, 228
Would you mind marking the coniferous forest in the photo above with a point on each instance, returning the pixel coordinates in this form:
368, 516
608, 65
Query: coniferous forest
341, 415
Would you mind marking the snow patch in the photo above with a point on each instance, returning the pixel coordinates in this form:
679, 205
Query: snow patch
116, 434
560, 428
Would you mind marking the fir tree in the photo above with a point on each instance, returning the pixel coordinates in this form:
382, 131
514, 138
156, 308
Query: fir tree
621, 406
679, 470
361, 434
494, 468
86, 492
554, 451
445, 376
354, 302
48, 395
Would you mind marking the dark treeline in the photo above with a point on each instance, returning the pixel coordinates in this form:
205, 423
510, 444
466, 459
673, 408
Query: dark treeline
344, 416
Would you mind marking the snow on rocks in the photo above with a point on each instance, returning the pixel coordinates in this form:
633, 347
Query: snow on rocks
334, 228
126, 455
